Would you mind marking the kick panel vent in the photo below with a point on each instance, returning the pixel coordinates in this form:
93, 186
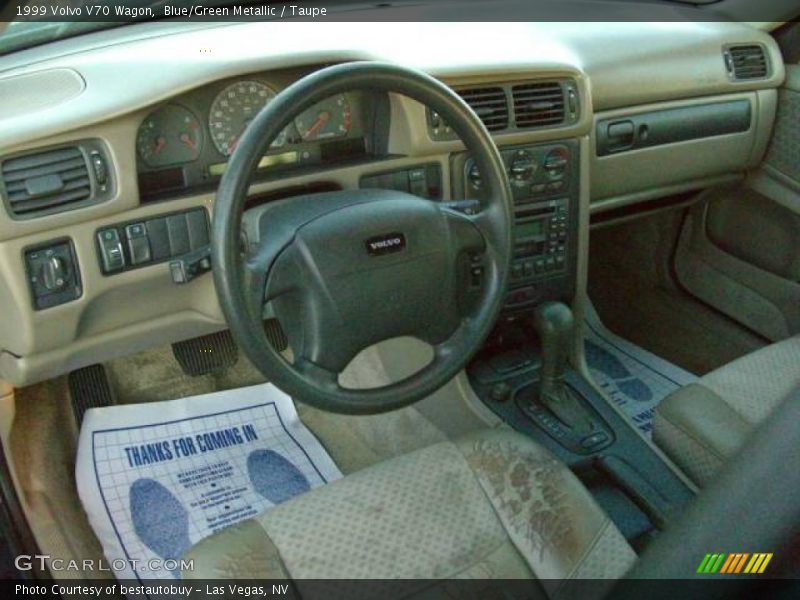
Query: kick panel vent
538, 104
52, 181
746, 62
490, 104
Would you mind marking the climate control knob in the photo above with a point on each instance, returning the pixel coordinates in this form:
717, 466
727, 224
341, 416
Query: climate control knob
556, 163
521, 167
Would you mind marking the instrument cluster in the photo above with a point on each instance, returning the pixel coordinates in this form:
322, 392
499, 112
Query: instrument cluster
187, 142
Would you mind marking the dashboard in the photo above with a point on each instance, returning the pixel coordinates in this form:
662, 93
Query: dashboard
184, 144
142, 142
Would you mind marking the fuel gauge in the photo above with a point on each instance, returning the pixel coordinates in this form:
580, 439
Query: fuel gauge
171, 135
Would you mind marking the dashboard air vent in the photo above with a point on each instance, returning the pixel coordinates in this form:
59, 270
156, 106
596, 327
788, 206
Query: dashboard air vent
746, 62
46, 182
538, 104
490, 104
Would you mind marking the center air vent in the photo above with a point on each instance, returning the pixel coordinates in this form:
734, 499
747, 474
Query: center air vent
516, 106
56, 180
490, 104
746, 62
538, 104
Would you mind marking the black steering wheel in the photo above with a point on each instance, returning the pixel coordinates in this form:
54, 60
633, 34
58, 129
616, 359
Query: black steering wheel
345, 270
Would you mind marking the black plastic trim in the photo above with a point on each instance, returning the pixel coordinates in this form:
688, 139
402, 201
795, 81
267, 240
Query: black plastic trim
120, 227
672, 125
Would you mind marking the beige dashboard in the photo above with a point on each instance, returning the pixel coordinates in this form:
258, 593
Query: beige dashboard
106, 92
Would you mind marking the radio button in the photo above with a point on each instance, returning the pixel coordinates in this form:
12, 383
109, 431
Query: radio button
528, 268
538, 189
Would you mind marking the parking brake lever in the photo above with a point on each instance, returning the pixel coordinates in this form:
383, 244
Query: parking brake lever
190, 265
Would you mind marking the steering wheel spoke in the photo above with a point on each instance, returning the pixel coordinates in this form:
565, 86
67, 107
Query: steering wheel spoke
325, 378
467, 231
255, 274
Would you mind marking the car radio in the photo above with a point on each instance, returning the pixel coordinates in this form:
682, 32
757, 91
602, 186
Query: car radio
540, 240
544, 182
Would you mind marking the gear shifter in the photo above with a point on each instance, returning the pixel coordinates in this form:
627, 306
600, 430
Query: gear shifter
555, 324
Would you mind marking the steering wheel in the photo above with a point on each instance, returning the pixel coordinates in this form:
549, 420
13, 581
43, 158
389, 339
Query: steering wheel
344, 270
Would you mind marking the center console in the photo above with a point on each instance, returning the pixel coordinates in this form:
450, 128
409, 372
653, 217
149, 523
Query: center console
523, 373
545, 184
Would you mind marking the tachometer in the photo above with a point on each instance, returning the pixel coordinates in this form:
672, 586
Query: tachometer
233, 109
170, 135
329, 119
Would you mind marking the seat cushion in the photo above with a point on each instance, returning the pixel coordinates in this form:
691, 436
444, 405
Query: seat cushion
702, 425
492, 505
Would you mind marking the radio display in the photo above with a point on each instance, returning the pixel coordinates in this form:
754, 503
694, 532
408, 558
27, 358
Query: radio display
529, 229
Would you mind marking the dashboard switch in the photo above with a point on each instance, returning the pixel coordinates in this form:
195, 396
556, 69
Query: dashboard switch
100, 169
135, 231
159, 238
198, 228
178, 232
110, 250
138, 244
417, 183
53, 274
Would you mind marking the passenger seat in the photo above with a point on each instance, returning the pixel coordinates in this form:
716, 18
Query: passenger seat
701, 425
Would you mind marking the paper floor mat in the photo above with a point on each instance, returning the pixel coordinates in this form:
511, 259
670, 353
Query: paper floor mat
157, 478
635, 379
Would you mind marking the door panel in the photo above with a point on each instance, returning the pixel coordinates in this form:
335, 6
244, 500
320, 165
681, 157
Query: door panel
783, 155
739, 249
757, 230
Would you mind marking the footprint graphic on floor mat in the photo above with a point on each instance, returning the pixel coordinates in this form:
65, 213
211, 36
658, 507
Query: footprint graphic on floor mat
602, 360
274, 477
160, 521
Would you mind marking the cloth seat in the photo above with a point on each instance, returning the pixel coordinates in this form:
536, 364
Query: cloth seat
491, 505
703, 424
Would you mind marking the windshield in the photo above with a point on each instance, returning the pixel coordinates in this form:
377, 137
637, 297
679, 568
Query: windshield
24, 34
32, 22
38, 22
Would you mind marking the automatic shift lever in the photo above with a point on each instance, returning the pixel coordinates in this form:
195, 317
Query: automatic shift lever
555, 324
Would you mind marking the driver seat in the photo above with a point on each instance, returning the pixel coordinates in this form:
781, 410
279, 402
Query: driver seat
492, 505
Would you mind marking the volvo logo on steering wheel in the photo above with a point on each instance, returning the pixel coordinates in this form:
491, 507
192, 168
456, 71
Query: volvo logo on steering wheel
387, 243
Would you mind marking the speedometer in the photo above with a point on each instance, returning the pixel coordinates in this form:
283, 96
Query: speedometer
328, 119
233, 109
